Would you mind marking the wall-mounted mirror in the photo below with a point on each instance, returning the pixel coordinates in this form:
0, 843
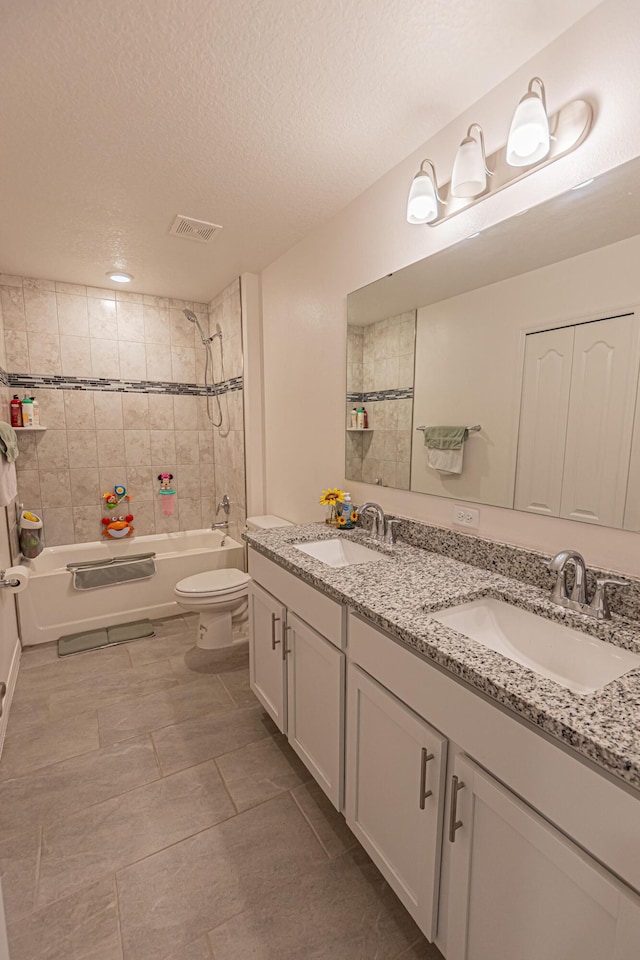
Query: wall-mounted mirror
530, 332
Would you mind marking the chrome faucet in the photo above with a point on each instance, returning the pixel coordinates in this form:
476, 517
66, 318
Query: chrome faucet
225, 504
599, 605
384, 528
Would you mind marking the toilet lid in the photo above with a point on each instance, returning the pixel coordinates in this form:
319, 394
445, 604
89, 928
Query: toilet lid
214, 581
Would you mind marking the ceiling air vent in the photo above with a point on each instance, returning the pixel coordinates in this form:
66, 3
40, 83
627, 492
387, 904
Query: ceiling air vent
192, 229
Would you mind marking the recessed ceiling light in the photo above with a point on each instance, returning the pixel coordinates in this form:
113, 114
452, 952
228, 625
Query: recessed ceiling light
585, 183
119, 277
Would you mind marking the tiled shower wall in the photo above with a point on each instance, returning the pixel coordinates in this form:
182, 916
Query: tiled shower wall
380, 367
120, 432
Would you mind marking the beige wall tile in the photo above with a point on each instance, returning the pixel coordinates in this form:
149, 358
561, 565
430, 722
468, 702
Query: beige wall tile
105, 359
28, 459
72, 314
144, 518
182, 331
111, 449
135, 410
129, 296
86, 523
12, 303
29, 481
142, 484
108, 410
52, 449
55, 488
130, 318
163, 523
58, 526
51, 409
82, 447
158, 362
85, 487
78, 408
75, 356
186, 412
183, 364
44, 353
40, 310
133, 361
75, 289
102, 319
189, 482
161, 408
33, 283
163, 446
101, 293
111, 476
190, 514
16, 351
187, 446
137, 446
157, 324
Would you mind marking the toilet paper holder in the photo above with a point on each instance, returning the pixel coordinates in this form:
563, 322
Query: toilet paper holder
7, 583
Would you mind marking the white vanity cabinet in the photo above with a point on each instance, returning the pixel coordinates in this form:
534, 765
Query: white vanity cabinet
297, 668
526, 827
395, 793
519, 888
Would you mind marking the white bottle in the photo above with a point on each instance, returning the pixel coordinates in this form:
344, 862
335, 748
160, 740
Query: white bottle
354, 418
36, 412
27, 412
360, 419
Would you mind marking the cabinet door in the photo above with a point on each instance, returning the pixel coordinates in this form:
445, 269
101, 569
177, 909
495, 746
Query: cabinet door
601, 408
543, 420
266, 653
315, 695
395, 791
518, 888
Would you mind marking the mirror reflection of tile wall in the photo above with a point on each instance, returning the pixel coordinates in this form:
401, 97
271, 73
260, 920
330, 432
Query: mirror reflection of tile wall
380, 365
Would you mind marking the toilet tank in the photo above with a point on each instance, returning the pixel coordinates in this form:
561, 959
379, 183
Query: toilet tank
266, 522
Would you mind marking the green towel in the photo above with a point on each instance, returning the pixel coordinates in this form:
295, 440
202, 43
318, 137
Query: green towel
445, 438
8, 442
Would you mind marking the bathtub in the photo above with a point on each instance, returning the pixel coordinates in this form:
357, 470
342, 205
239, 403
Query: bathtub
50, 607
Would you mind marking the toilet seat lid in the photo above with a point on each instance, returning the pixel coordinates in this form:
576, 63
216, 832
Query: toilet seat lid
214, 581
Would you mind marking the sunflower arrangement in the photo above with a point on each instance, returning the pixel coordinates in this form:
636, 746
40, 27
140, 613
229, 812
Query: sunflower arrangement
332, 498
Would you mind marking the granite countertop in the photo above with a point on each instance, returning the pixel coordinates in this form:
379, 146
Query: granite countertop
400, 594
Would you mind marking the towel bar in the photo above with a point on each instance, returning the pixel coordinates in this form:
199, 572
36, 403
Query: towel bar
475, 429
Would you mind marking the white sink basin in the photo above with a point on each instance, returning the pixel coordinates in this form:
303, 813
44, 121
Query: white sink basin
573, 659
339, 552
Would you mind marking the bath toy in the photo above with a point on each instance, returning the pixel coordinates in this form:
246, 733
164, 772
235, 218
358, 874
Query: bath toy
118, 528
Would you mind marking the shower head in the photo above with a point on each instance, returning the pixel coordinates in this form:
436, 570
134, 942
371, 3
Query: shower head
191, 317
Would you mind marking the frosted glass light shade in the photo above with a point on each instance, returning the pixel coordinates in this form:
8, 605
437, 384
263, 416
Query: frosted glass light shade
422, 204
469, 177
529, 140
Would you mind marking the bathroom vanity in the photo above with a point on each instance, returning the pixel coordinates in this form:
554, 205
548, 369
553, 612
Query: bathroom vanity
502, 807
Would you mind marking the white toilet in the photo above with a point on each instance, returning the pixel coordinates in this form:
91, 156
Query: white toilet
220, 596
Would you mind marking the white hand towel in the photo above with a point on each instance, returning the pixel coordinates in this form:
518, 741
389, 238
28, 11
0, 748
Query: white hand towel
446, 461
8, 482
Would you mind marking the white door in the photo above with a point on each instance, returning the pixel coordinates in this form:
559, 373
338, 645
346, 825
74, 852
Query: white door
266, 653
601, 409
315, 714
543, 420
395, 774
519, 889
9, 642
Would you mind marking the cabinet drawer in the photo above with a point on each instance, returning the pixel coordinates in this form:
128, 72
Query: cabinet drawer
324, 615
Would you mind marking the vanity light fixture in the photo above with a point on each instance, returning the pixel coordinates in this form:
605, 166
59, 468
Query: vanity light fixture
535, 140
118, 277
529, 137
424, 201
470, 171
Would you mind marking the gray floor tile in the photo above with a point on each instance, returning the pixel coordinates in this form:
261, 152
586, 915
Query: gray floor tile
209, 736
261, 770
99, 691
40, 681
175, 896
164, 645
62, 788
43, 653
237, 683
188, 665
110, 835
341, 910
422, 950
198, 950
19, 856
328, 825
51, 742
119, 721
81, 927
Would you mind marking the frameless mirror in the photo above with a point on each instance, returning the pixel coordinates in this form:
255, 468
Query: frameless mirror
529, 333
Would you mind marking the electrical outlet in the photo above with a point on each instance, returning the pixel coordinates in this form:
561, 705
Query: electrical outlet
466, 517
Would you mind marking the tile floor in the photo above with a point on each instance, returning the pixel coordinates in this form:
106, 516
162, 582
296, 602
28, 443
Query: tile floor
150, 809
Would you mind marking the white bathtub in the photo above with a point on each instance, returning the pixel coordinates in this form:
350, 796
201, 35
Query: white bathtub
50, 607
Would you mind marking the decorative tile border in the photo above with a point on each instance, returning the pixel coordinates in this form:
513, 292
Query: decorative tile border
403, 393
25, 381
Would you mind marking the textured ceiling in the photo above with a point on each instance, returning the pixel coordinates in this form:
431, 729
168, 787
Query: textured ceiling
266, 116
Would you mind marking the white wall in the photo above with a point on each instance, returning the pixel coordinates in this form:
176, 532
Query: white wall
304, 292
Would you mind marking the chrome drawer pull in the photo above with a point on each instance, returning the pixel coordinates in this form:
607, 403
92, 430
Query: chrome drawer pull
424, 760
274, 620
454, 824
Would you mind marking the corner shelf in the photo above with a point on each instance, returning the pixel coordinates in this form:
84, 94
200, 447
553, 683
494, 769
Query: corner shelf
20, 430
